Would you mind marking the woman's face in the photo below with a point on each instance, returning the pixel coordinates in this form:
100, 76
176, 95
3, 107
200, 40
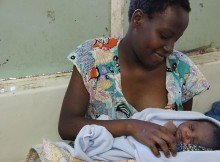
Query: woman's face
153, 38
194, 132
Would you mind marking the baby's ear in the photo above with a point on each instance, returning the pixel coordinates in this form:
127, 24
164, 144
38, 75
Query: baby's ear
170, 126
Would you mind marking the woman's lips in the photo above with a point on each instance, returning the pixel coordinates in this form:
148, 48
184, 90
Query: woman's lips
159, 56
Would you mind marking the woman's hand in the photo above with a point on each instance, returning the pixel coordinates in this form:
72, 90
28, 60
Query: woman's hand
154, 136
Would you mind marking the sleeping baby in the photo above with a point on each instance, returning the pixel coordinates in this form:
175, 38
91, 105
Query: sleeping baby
199, 132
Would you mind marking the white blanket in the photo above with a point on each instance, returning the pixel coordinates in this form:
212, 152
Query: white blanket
95, 142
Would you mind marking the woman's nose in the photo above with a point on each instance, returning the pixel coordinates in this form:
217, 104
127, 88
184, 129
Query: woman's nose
168, 47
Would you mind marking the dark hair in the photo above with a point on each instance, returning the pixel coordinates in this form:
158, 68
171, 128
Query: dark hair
154, 6
214, 143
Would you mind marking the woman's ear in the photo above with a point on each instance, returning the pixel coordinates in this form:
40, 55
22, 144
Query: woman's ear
137, 18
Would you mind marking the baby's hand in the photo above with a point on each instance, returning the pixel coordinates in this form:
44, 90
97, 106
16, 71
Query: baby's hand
170, 126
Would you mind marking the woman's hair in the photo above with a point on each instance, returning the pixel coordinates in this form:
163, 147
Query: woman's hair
214, 144
154, 6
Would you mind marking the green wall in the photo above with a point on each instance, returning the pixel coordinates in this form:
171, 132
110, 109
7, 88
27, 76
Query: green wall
37, 35
204, 25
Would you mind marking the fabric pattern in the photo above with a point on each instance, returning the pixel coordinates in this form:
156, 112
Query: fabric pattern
98, 62
190, 147
49, 152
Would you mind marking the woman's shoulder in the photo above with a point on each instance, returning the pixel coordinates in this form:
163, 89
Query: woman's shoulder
92, 45
179, 59
180, 64
92, 52
179, 56
104, 43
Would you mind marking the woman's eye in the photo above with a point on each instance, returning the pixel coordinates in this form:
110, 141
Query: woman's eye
163, 37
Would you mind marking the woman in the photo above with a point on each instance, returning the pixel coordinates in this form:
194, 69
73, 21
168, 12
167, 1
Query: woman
118, 77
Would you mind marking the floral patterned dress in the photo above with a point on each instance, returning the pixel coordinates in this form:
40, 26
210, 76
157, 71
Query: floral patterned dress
99, 65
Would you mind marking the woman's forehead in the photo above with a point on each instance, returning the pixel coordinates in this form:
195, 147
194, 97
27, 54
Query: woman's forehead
172, 18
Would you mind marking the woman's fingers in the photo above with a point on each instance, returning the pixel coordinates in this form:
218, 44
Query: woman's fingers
154, 149
163, 146
170, 142
163, 140
156, 137
173, 149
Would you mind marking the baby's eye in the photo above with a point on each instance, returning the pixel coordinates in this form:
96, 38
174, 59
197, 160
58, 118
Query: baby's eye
191, 127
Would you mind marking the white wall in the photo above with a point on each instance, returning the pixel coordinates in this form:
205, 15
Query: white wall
209, 64
29, 114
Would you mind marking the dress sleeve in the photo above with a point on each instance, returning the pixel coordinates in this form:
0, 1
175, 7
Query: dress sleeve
193, 82
83, 58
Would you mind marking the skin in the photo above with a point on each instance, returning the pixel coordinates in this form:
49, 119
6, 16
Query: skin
142, 61
193, 132
142, 53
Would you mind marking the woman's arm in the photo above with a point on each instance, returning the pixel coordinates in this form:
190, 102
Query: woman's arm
72, 116
188, 105
74, 107
72, 119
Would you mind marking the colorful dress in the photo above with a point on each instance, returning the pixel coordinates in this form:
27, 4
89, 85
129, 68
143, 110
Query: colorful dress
99, 65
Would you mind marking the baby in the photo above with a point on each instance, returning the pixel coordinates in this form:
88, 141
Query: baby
200, 132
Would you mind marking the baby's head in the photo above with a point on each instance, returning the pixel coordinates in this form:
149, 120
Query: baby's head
201, 132
156, 6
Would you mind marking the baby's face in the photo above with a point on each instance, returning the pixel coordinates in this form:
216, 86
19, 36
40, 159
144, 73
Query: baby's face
194, 132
